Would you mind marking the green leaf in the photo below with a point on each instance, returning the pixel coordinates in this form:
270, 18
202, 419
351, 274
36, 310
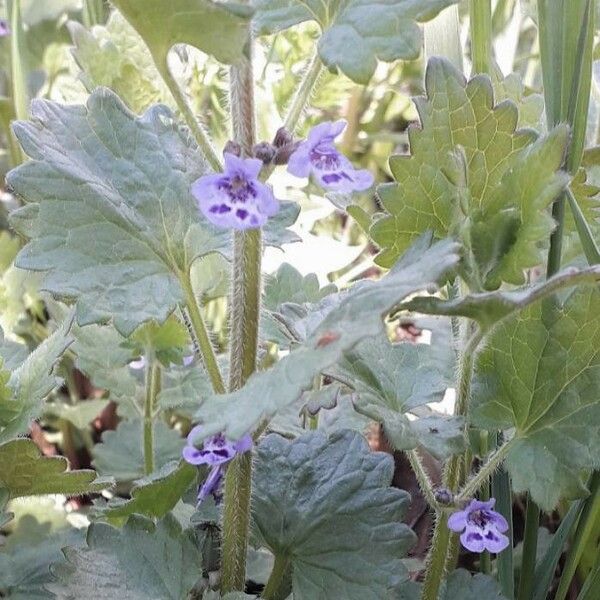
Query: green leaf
490, 307
28, 552
288, 285
358, 315
80, 414
460, 585
115, 225
472, 173
168, 341
392, 379
141, 561
326, 505
539, 374
115, 56
12, 354
531, 106
215, 28
355, 34
155, 495
120, 452
31, 383
24, 471
103, 356
184, 389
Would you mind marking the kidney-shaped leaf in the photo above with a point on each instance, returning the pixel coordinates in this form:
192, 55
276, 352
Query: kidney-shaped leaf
540, 373
325, 504
357, 32
108, 208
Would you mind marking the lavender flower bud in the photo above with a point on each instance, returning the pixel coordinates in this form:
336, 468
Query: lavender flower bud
264, 151
232, 147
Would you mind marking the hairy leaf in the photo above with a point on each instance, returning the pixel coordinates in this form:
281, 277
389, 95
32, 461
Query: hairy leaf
155, 495
217, 28
141, 561
472, 173
24, 471
326, 505
358, 315
355, 33
390, 380
115, 224
540, 374
120, 452
30, 383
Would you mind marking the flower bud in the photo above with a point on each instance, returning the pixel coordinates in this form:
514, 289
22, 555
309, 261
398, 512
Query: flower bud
232, 147
264, 151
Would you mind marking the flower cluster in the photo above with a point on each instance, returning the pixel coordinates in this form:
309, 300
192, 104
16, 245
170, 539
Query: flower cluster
482, 528
237, 199
215, 453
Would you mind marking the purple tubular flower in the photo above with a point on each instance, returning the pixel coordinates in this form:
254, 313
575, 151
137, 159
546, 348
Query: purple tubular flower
215, 453
235, 199
482, 527
4, 28
319, 156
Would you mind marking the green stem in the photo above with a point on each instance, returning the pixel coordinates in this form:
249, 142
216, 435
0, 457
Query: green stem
202, 337
196, 128
441, 539
93, 13
302, 95
532, 522
153, 384
481, 35
245, 313
422, 478
278, 580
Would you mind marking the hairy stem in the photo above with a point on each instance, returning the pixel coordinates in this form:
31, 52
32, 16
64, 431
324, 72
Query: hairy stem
153, 384
200, 333
200, 135
422, 478
302, 95
245, 312
436, 559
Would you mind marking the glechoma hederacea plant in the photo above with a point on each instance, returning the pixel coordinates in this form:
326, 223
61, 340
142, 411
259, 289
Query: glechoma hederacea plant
203, 417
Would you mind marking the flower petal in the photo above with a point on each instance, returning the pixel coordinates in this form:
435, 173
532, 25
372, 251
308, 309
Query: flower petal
497, 520
195, 435
299, 161
192, 455
458, 521
211, 483
328, 130
472, 539
494, 541
244, 444
266, 202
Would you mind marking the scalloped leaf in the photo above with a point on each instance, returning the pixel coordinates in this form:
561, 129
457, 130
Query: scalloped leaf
461, 585
24, 391
473, 174
115, 225
392, 379
24, 471
540, 374
142, 560
357, 315
356, 33
325, 504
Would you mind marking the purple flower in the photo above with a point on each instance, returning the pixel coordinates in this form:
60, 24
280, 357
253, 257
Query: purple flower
4, 28
319, 156
235, 199
216, 452
482, 527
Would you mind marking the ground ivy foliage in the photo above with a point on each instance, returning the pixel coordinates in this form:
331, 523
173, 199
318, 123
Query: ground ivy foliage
325, 505
473, 174
114, 225
539, 374
358, 315
355, 33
